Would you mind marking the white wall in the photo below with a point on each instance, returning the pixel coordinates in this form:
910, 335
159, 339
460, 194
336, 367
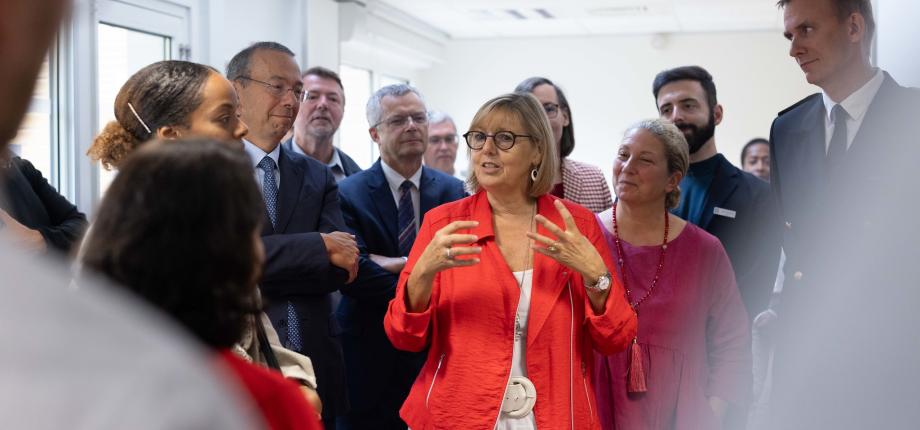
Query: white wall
898, 34
607, 80
235, 24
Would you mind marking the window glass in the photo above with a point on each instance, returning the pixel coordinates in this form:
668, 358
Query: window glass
122, 52
33, 142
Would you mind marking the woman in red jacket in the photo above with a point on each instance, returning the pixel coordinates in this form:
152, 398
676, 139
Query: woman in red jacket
510, 290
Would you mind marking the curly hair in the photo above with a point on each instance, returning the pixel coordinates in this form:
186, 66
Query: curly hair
169, 230
161, 94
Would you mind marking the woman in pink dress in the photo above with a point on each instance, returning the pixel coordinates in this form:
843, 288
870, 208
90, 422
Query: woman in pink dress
691, 360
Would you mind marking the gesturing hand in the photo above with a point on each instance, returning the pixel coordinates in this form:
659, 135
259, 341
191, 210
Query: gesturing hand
570, 247
440, 254
343, 252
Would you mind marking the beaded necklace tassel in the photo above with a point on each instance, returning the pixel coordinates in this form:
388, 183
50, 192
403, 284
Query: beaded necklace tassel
636, 374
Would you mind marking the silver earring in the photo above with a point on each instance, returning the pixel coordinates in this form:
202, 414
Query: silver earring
533, 175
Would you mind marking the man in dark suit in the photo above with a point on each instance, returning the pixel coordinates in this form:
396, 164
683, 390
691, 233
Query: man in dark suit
843, 165
384, 206
308, 254
732, 205
319, 118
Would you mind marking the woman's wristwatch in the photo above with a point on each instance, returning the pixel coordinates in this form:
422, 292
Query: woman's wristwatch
602, 284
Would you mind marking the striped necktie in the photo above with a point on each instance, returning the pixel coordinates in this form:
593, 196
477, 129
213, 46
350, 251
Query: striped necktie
406, 218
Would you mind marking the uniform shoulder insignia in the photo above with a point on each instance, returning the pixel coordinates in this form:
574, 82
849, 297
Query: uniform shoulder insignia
806, 99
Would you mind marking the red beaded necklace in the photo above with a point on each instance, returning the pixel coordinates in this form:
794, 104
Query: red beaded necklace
622, 258
636, 381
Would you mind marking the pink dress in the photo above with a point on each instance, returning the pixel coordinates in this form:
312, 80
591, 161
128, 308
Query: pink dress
694, 333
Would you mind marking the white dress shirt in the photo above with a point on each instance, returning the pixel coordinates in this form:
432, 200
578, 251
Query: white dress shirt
395, 180
257, 154
335, 164
856, 105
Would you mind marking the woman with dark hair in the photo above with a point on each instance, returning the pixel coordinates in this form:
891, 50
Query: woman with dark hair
169, 99
176, 99
575, 181
509, 290
692, 356
169, 231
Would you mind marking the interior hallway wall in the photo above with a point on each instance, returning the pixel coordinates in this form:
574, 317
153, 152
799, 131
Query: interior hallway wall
608, 80
898, 34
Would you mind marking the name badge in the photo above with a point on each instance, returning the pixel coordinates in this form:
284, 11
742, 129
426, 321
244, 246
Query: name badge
724, 212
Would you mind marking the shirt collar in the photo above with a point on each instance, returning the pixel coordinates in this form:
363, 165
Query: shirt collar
856, 104
257, 154
395, 179
335, 161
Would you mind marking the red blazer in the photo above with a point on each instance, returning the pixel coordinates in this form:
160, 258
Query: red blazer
279, 401
469, 327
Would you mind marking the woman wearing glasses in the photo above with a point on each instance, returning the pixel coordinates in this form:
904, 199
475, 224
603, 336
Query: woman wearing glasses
579, 182
509, 289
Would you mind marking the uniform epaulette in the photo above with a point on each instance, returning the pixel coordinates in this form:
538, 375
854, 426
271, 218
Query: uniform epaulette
806, 99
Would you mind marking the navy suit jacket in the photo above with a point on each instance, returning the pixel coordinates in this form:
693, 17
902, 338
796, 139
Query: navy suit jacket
371, 214
847, 348
751, 237
297, 268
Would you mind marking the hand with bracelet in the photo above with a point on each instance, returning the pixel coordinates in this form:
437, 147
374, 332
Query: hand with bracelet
572, 249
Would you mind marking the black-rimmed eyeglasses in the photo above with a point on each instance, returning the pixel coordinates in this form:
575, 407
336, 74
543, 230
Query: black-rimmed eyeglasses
278, 90
504, 140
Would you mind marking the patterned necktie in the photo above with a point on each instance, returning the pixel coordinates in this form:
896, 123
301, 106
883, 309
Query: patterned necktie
270, 194
269, 188
293, 328
406, 218
837, 150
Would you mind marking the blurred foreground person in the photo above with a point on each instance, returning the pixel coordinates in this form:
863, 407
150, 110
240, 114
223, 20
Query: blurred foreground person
843, 169
692, 357
510, 289
169, 231
93, 358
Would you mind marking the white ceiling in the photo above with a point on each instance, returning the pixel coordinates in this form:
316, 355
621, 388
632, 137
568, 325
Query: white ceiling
476, 19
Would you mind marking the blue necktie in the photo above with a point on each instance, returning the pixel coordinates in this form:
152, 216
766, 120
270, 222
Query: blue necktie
406, 218
269, 188
293, 328
270, 194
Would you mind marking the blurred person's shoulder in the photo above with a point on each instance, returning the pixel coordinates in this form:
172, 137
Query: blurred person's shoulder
95, 358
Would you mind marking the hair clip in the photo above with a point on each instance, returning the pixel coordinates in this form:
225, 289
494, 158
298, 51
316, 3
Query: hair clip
139, 118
